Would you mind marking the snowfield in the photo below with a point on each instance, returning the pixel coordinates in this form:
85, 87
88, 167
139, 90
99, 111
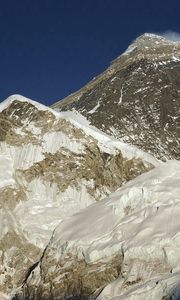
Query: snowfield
140, 221
141, 216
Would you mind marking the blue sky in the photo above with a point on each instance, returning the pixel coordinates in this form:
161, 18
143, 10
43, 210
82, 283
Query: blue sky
50, 48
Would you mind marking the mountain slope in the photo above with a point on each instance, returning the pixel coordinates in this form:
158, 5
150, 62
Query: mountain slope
137, 99
132, 237
77, 218
52, 165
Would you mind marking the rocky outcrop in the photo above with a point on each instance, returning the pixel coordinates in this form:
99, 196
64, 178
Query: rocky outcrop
106, 172
137, 98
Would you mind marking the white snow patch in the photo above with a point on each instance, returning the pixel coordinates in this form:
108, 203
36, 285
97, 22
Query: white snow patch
154, 289
22, 157
121, 96
94, 109
46, 206
113, 79
6, 171
11, 99
130, 49
4, 296
53, 141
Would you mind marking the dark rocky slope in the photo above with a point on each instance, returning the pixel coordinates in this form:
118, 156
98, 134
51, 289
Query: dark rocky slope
137, 98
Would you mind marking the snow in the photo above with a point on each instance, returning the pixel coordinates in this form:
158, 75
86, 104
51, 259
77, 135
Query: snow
175, 58
154, 289
121, 96
113, 79
141, 89
6, 171
107, 143
142, 218
130, 49
4, 296
22, 157
157, 188
12, 98
53, 141
46, 206
94, 109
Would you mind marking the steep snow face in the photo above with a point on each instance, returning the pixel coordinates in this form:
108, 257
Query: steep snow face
131, 237
4, 297
137, 98
52, 165
6, 171
164, 287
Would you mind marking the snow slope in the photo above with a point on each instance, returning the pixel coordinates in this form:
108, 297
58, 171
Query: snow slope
151, 197
140, 222
52, 165
42, 211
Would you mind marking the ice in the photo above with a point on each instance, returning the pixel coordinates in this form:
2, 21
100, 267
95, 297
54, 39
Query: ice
53, 141
4, 296
46, 207
142, 218
6, 171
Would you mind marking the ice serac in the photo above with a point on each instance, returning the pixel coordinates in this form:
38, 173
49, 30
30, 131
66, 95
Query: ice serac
123, 247
137, 99
52, 165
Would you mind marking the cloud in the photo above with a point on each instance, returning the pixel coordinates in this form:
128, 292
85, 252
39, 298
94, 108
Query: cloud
171, 35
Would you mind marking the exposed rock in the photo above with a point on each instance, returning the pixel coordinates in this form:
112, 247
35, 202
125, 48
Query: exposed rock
107, 172
137, 98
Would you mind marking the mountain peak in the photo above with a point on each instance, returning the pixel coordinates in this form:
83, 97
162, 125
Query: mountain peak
19, 98
149, 41
154, 38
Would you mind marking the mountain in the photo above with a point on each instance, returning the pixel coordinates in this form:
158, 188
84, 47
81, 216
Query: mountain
89, 189
52, 166
130, 240
137, 99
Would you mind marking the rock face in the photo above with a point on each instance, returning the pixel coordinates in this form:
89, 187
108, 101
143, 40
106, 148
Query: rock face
51, 166
130, 240
137, 99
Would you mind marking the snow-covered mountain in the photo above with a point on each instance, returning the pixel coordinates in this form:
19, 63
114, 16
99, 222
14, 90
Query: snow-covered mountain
123, 247
89, 202
137, 99
52, 165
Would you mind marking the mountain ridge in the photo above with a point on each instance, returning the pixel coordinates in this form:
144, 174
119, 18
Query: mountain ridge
136, 99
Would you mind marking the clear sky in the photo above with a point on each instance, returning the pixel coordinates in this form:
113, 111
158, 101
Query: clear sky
50, 48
